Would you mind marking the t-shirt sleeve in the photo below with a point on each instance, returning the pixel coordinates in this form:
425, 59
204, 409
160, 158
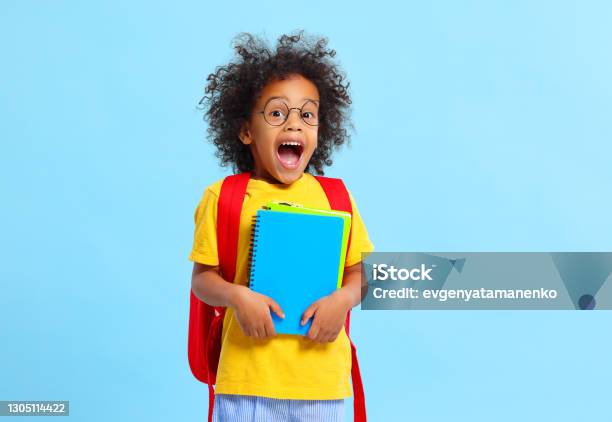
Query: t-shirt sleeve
360, 242
204, 248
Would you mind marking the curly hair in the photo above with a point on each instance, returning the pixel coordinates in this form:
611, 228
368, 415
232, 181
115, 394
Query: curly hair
232, 91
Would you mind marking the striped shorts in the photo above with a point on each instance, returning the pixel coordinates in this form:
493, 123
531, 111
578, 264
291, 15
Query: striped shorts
240, 408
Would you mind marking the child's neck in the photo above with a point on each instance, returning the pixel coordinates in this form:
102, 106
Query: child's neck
271, 180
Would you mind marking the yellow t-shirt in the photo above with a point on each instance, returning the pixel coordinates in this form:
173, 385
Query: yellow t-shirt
284, 366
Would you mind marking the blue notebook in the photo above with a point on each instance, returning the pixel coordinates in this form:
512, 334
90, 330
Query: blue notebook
295, 260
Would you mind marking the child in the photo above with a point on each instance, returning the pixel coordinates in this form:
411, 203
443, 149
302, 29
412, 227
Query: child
277, 114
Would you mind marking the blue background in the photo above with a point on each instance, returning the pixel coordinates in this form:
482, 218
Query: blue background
480, 126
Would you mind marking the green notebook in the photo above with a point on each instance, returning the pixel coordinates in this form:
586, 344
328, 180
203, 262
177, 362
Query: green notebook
300, 209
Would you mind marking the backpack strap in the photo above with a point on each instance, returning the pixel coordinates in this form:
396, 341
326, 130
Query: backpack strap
229, 208
205, 321
339, 200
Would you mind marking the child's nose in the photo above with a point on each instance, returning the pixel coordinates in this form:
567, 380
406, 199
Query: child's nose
294, 122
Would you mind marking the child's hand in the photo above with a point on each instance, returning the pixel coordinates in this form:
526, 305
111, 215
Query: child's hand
252, 311
329, 316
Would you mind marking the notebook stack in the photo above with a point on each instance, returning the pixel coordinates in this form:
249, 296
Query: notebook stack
297, 257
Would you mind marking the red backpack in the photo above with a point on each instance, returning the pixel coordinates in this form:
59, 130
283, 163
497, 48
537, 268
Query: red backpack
206, 322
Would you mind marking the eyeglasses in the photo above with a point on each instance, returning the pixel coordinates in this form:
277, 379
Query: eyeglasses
276, 112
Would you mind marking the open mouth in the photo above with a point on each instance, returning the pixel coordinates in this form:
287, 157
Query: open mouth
289, 154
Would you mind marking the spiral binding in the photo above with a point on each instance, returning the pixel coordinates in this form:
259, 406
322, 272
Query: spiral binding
253, 250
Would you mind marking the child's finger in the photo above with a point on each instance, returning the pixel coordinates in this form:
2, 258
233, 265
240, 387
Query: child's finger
259, 332
269, 327
275, 308
330, 337
313, 332
308, 313
321, 336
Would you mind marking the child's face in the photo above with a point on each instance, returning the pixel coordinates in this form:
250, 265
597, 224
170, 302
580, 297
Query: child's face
274, 160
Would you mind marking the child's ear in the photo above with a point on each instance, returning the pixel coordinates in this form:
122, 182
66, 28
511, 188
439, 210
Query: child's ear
245, 134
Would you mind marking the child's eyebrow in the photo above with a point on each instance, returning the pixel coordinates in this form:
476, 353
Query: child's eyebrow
282, 97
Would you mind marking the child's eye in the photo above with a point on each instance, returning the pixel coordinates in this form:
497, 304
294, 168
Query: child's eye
276, 114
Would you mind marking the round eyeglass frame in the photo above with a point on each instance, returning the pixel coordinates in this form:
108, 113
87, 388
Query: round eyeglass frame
289, 112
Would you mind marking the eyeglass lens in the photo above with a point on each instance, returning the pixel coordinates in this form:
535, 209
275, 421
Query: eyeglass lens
277, 112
